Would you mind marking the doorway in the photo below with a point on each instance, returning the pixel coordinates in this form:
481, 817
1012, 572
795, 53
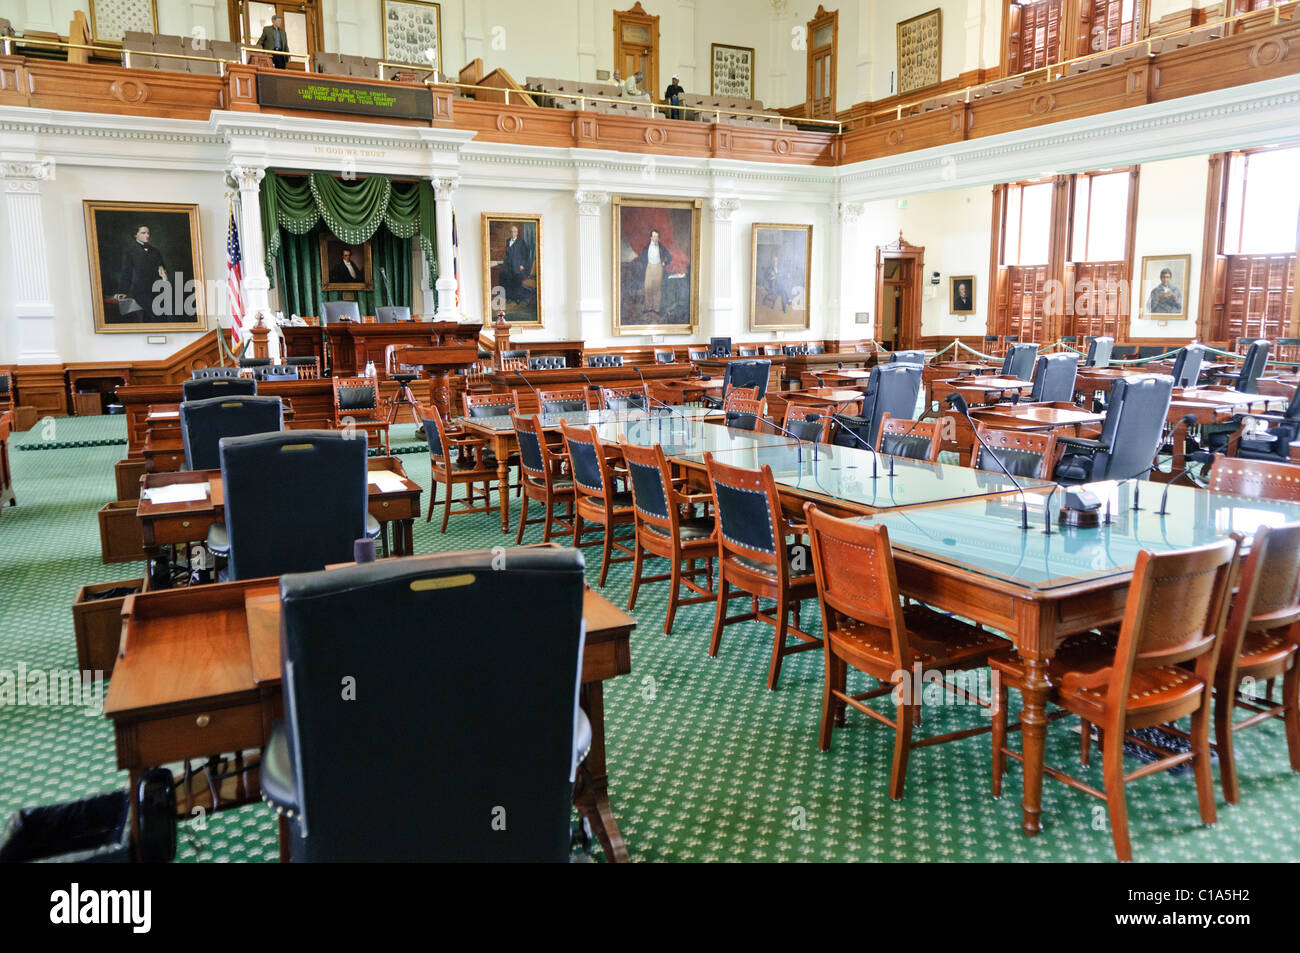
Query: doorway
301, 26
899, 268
636, 47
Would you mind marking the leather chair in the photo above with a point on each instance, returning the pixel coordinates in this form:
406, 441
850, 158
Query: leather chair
6, 391
567, 401
1018, 362
1054, 378
210, 373
1028, 455
598, 500
743, 413
605, 360
891, 389
1272, 444
499, 727
549, 362
748, 351
276, 372
807, 422
1247, 378
1130, 434
308, 367
253, 362
1187, 365
756, 556
336, 311
205, 422
1149, 351
624, 398
358, 403
1099, 352
391, 314
907, 357
205, 388
542, 477
742, 373
1123, 352
444, 468
910, 439
795, 350
296, 501
665, 356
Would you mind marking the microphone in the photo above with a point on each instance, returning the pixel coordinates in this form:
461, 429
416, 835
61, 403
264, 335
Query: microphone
388, 289
846, 428
668, 407
958, 403
1186, 421
906, 433
520, 374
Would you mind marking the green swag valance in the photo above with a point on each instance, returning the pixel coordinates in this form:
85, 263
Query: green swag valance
353, 211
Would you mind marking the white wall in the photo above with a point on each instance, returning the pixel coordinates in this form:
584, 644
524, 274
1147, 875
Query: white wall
1170, 221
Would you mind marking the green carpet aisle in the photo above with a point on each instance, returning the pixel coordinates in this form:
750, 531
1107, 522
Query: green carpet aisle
705, 763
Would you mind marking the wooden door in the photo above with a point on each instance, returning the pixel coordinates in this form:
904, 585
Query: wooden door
899, 267
302, 25
1258, 296
823, 34
636, 46
1033, 35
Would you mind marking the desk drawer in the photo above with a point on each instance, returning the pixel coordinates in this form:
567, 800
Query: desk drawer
167, 462
197, 734
388, 510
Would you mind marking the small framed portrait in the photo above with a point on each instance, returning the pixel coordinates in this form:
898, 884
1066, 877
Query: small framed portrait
512, 269
1164, 286
146, 266
413, 33
345, 267
656, 265
961, 294
780, 266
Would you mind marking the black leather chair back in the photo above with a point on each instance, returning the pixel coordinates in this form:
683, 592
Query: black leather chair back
1134, 423
391, 314
1021, 463
648, 492
5, 383
1054, 377
665, 357
807, 428
530, 453
748, 351
586, 466
907, 357
741, 420
517, 353
795, 350
1150, 350
548, 362
254, 362
1019, 361
295, 501
206, 388
209, 373
1187, 365
719, 347
1253, 366
605, 360
276, 372
909, 446
563, 406
493, 408
630, 400
1099, 350
746, 373
455, 749
336, 311
891, 389
358, 397
205, 422
745, 517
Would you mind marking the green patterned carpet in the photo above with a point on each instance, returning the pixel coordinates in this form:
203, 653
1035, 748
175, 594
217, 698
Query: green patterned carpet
705, 763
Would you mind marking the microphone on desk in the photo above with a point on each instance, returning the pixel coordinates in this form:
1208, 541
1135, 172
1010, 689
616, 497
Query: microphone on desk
520, 374
958, 403
1187, 420
649, 396
846, 427
903, 436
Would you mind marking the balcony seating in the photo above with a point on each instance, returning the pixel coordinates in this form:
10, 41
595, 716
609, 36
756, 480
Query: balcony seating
341, 64
141, 51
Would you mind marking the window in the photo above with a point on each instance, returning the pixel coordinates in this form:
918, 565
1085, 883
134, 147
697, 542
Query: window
1100, 217
1029, 224
1263, 203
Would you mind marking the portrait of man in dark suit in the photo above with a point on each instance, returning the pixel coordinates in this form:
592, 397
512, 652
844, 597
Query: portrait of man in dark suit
515, 267
512, 268
962, 292
346, 271
142, 281
345, 266
274, 38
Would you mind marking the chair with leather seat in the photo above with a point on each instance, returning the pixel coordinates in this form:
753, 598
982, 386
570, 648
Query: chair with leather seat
568, 400
275, 372
697, 353
742, 412
495, 404
746, 372
514, 354
308, 367
667, 527
542, 476
391, 314
336, 311
1149, 351
794, 350
1018, 362
358, 404
1024, 453
1130, 434
1100, 350
365, 781
910, 439
907, 357
448, 448
1123, 352
204, 422
808, 422
1246, 379
1054, 377
1187, 365
598, 499
665, 356
1273, 443
865, 626
295, 501
630, 397
212, 373
757, 557
547, 362
1159, 670
748, 351
891, 389
605, 360
6, 391
209, 387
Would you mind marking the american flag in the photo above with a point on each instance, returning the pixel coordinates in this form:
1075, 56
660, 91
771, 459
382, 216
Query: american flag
234, 282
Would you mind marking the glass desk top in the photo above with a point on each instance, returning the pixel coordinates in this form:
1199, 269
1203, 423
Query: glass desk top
589, 418
845, 474
681, 438
984, 536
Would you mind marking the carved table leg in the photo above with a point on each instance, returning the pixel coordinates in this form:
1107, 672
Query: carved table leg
503, 484
1033, 720
591, 793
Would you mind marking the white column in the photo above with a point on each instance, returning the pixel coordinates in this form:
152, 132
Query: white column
848, 284
775, 92
866, 33
686, 50
252, 247
722, 309
32, 337
446, 284
592, 319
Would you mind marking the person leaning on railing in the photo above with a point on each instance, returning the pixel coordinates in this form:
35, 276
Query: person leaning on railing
274, 38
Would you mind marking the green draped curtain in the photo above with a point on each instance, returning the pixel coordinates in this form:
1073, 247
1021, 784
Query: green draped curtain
295, 209
298, 271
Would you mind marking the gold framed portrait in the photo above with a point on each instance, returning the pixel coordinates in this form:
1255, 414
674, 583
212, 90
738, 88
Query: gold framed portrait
146, 266
345, 266
512, 269
961, 294
920, 52
656, 265
780, 284
1164, 286
411, 29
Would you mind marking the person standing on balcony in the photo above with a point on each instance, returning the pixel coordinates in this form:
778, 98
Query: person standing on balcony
274, 38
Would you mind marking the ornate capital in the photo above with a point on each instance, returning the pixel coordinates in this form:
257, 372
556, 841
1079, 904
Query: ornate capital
443, 186
26, 175
779, 7
722, 208
589, 202
247, 177
846, 212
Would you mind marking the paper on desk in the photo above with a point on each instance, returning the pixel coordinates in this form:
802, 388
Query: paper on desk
176, 493
164, 414
387, 481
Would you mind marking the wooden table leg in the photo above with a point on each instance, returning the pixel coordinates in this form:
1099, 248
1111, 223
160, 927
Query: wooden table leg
1033, 719
285, 834
503, 484
404, 538
591, 793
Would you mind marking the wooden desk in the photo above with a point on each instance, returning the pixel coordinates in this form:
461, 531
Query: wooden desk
835, 400
677, 392
6, 475
717, 367
352, 344
1037, 417
199, 672
848, 377
584, 378
1099, 380
977, 390
170, 524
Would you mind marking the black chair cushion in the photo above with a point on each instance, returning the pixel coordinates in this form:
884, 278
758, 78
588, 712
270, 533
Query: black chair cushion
688, 530
358, 397
1021, 463
911, 446
799, 570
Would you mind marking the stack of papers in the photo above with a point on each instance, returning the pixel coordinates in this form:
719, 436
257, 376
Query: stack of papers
176, 493
164, 414
387, 481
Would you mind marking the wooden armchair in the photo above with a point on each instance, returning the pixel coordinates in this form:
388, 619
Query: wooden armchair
910, 439
1031, 455
633, 397
443, 440
542, 478
598, 499
357, 403
808, 422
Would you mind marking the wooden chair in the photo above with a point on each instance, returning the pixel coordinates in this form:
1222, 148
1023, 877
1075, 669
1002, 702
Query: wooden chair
543, 479
665, 355
6, 391
308, 367
561, 401
1255, 478
509, 364
357, 403
772, 350
598, 501
667, 527
1162, 669
755, 557
748, 351
442, 442
910, 439
495, 404
797, 421
865, 625
1031, 455
624, 398
697, 353
743, 413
